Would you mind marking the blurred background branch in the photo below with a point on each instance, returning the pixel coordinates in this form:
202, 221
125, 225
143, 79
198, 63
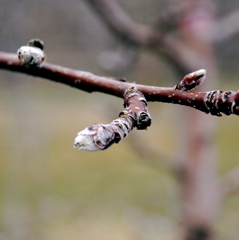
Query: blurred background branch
226, 27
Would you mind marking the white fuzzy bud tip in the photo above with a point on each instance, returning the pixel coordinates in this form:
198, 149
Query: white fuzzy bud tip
31, 56
94, 138
197, 76
192, 80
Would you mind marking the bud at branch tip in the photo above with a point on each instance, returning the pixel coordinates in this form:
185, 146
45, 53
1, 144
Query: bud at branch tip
191, 80
32, 54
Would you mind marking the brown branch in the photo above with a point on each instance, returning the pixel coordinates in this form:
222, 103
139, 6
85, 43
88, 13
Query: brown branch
214, 102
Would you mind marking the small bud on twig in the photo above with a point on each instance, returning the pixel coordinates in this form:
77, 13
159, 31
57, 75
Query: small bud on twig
102, 136
191, 80
32, 55
94, 138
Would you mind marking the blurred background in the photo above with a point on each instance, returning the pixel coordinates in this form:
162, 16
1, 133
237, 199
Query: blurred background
48, 190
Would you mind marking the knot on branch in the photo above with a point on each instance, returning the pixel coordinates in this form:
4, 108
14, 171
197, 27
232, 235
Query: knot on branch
32, 55
218, 102
102, 136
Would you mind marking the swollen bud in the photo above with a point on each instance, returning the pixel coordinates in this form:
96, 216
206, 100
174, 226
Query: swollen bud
32, 55
94, 138
191, 80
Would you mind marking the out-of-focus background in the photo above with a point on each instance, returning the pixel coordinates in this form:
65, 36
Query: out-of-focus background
48, 190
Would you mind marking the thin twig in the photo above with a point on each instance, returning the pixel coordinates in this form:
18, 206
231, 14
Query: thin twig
214, 102
102, 136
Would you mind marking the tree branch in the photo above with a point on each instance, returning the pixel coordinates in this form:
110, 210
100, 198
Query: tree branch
214, 102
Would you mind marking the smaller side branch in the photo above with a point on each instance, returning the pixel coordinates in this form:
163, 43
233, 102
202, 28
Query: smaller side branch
136, 106
102, 136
